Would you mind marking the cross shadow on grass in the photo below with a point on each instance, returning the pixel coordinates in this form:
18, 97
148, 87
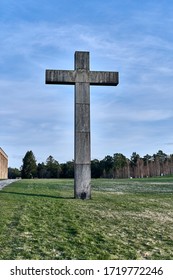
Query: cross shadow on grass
40, 195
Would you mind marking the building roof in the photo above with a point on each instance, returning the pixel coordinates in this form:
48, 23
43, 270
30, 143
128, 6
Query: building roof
3, 153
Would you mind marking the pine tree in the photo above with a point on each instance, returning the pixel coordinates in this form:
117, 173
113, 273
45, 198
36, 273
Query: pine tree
29, 167
53, 168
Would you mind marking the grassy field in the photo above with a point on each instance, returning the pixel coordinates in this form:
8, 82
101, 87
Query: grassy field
125, 219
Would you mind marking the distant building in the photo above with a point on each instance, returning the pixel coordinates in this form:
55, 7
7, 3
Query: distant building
3, 165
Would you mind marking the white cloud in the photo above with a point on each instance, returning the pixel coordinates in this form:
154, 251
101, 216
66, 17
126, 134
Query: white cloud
37, 113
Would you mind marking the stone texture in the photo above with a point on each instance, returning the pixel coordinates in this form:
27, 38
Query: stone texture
82, 181
62, 77
103, 78
82, 78
81, 61
84, 93
82, 127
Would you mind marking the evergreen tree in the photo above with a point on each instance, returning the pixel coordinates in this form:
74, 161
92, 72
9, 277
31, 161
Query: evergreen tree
95, 168
53, 168
29, 167
107, 166
120, 163
67, 169
42, 170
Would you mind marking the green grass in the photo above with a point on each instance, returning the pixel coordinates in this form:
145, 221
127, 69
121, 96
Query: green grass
125, 219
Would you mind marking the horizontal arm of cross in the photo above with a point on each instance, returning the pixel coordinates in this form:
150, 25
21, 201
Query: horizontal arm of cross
103, 78
63, 77
70, 77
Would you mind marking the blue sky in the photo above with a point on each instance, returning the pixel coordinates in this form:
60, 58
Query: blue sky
130, 36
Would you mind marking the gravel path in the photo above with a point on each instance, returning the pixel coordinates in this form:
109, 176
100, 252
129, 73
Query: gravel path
4, 183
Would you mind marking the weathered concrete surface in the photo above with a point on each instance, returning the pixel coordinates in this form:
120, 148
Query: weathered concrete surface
70, 77
62, 77
103, 78
82, 78
82, 128
82, 181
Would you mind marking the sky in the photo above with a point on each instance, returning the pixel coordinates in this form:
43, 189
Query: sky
132, 37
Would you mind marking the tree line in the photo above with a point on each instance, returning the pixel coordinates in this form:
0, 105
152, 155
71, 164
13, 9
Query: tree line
116, 166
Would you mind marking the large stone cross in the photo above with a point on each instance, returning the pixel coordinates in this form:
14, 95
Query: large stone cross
82, 78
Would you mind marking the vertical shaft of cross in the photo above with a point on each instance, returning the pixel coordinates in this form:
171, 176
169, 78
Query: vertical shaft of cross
82, 188
81, 77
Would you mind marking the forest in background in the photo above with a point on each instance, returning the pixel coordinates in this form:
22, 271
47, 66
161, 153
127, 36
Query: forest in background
116, 166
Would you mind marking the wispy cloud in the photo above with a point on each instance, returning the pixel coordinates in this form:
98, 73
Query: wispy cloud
131, 40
